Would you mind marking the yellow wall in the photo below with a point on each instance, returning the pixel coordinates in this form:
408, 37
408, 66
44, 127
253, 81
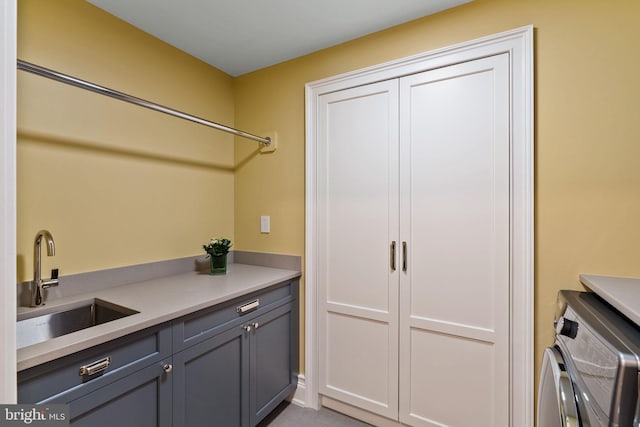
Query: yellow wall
587, 125
114, 183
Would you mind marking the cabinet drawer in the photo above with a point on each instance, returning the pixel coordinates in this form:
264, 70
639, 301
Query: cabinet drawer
199, 326
61, 380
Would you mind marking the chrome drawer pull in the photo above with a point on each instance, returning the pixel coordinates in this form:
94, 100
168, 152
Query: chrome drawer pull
95, 367
248, 307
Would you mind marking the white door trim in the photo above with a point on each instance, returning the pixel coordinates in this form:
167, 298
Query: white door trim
8, 20
519, 44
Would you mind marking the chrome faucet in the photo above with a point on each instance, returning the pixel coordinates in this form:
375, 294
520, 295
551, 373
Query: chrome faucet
39, 284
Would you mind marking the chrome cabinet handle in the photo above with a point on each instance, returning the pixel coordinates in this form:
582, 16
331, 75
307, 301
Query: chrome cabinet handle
393, 256
254, 325
404, 256
95, 367
167, 367
248, 306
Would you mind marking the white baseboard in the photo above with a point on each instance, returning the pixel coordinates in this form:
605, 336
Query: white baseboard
299, 398
300, 395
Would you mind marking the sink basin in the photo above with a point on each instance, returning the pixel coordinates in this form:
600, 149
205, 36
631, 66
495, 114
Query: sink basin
33, 328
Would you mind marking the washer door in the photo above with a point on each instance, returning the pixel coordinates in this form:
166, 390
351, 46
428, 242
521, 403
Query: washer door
556, 400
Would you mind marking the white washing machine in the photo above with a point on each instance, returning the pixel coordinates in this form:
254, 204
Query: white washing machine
591, 375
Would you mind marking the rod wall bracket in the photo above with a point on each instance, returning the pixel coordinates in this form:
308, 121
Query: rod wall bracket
272, 136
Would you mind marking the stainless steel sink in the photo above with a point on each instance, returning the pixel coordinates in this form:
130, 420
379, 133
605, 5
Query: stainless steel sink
33, 328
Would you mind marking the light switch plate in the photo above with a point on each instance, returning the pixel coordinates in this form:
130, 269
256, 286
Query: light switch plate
265, 224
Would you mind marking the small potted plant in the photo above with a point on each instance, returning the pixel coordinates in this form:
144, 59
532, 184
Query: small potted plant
217, 251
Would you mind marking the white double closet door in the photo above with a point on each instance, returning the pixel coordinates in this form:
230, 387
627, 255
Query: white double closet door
414, 214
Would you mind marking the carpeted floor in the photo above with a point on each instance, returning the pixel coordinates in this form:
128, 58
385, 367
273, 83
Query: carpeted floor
291, 415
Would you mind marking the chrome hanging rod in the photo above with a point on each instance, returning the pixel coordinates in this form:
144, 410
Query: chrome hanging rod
83, 84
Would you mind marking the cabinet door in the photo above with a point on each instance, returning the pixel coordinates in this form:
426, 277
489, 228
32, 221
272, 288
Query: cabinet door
273, 360
357, 267
454, 315
142, 399
211, 382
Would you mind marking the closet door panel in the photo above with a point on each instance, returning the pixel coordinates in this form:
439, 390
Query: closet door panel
449, 390
357, 221
455, 220
367, 356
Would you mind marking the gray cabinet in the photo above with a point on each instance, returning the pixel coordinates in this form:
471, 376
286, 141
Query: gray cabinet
273, 360
210, 382
61, 380
122, 380
142, 399
238, 366
227, 365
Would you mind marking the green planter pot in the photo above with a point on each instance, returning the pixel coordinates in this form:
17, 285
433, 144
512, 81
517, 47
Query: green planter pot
218, 264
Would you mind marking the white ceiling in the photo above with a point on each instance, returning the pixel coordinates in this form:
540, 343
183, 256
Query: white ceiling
239, 36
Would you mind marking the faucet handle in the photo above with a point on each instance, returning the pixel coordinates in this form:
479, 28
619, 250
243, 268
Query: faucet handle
50, 283
53, 281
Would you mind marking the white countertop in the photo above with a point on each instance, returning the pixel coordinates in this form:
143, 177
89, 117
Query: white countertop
621, 292
157, 300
